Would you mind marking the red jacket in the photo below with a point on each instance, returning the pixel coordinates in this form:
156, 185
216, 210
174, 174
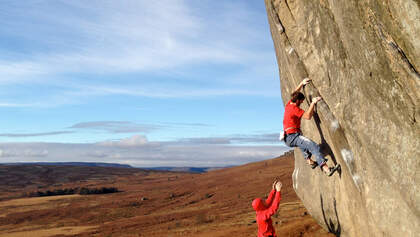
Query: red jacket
264, 211
292, 117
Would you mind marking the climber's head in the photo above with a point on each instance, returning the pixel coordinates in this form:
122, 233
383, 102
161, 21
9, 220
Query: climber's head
297, 97
258, 204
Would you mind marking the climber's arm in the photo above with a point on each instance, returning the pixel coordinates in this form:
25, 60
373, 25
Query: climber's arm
275, 205
310, 112
269, 200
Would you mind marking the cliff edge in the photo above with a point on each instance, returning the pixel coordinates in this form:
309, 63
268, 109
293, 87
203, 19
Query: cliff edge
364, 60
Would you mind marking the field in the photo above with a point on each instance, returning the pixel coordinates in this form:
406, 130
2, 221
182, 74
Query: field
150, 203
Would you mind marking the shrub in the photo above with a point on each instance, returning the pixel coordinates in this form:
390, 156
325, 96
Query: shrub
69, 191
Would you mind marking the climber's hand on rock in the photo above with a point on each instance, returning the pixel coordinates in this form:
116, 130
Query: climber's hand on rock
278, 186
306, 81
316, 99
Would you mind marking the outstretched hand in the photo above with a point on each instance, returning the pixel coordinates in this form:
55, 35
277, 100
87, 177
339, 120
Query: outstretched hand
274, 184
306, 81
278, 186
316, 99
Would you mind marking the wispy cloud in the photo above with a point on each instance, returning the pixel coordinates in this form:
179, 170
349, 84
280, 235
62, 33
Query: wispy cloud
151, 38
34, 134
134, 141
16, 105
188, 124
117, 126
111, 37
131, 127
137, 151
161, 91
27, 152
205, 141
270, 138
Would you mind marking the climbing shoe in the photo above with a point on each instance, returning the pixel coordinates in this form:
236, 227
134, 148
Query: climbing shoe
314, 165
332, 170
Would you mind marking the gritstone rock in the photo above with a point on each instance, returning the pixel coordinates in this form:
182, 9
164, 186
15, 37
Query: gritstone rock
364, 59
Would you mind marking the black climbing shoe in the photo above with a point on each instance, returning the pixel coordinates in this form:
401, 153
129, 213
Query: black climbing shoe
333, 169
314, 165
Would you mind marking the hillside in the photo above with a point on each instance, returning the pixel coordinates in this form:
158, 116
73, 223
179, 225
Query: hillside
16, 179
217, 203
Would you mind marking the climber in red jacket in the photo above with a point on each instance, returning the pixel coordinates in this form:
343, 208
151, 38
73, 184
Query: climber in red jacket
293, 137
265, 209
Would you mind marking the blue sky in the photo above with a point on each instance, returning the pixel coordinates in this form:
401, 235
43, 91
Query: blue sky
147, 83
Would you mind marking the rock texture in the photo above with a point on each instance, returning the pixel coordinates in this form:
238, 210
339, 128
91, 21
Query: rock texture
364, 60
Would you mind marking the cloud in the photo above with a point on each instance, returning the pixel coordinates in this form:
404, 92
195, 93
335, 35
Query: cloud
138, 151
16, 105
134, 141
205, 140
111, 37
23, 153
163, 90
234, 139
126, 48
188, 124
34, 134
131, 127
117, 126
260, 138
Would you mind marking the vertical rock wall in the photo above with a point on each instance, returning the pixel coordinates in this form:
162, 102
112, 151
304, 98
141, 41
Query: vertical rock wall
364, 60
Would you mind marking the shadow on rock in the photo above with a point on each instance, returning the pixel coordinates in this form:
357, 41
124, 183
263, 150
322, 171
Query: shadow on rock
325, 148
332, 228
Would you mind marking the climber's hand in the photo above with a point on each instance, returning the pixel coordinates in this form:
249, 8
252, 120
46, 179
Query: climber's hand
274, 184
306, 81
316, 100
278, 186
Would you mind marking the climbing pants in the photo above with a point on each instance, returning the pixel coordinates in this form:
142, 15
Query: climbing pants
307, 146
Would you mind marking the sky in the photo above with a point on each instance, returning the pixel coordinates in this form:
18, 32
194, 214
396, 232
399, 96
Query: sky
144, 83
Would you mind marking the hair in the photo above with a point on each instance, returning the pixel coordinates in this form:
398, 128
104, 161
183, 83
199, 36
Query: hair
297, 96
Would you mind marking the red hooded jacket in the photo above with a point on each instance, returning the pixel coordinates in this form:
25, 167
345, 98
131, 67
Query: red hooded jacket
264, 211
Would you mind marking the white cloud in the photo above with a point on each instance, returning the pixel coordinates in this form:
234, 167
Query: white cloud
117, 126
29, 152
113, 37
18, 105
138, 151
34, 134
134, 141
134, 36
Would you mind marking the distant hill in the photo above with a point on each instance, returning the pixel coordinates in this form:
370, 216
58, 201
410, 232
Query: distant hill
151, 202
116, 165
186, 169
14, 177
89, 164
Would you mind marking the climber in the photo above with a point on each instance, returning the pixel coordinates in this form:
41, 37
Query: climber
293, 135
265, 209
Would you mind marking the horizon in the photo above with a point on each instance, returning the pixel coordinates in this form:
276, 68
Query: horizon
170, 83
138, 167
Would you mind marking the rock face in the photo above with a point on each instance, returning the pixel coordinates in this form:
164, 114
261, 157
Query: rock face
364, 60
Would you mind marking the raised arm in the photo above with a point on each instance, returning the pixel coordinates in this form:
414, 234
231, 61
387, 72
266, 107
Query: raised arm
270, 198
275, 204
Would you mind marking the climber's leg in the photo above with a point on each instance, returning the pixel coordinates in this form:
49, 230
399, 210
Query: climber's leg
290, 138
305, 143
291, 141
306, 153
